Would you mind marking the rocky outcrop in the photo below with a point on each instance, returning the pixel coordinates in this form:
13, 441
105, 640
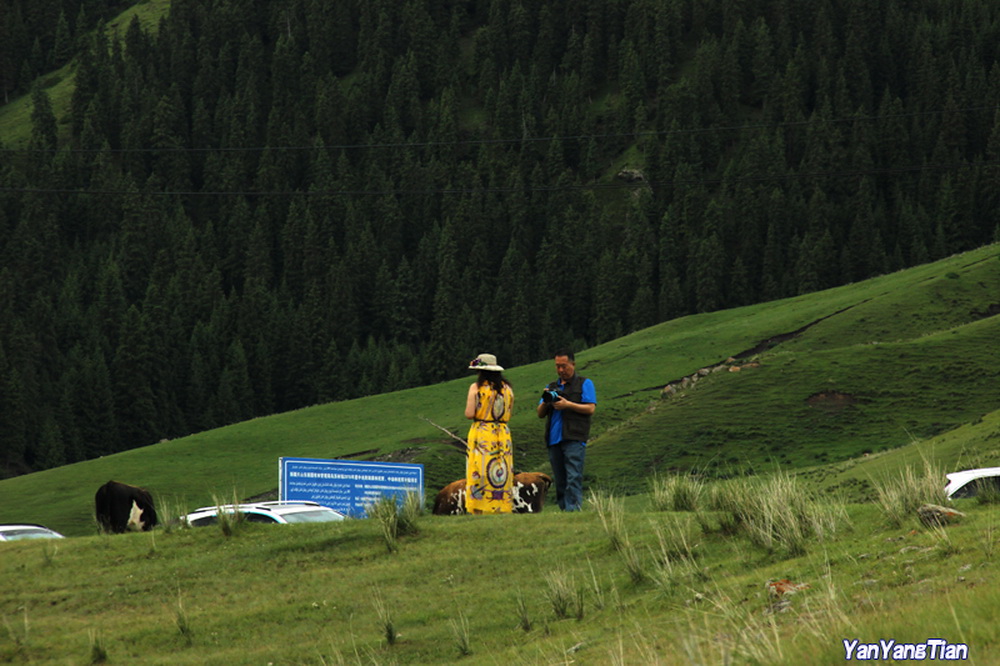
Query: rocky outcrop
934, 515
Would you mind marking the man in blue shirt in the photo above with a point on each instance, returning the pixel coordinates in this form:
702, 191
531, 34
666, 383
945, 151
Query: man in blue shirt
568, 402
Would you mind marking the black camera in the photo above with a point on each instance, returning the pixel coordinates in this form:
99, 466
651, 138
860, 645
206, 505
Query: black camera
551, 395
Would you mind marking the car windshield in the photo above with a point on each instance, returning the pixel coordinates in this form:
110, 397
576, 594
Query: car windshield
29, 533
314, 516
984, 485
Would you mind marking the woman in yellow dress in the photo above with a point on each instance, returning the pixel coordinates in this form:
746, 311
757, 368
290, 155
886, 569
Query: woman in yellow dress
489, 472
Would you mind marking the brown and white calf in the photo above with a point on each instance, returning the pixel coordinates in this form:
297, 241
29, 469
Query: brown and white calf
529, 495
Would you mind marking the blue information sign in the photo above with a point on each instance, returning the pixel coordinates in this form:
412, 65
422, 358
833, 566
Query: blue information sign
345, 485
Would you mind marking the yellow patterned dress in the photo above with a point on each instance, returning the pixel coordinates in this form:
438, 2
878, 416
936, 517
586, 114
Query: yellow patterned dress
489, 472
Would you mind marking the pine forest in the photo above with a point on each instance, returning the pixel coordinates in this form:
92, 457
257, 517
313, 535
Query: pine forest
251, 206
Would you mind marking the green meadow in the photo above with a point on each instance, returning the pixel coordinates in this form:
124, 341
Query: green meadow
883, 364
884, 386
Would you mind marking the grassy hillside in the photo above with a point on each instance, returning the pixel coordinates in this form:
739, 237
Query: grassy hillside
911, 352
885, 362
622, 582
549, 588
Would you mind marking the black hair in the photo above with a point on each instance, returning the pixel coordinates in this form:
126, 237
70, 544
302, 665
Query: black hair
495, 379
568, 353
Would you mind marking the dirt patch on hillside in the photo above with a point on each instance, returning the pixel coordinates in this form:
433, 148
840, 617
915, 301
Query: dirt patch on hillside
765, 345
831, 401
759, 348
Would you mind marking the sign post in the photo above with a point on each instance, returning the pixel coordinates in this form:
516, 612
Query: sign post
345, 485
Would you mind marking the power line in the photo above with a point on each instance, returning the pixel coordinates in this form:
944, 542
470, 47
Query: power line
499, 141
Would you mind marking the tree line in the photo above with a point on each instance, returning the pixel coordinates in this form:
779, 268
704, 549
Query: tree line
260, 206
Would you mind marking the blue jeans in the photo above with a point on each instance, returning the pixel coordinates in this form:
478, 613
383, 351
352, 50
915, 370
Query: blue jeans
567, 468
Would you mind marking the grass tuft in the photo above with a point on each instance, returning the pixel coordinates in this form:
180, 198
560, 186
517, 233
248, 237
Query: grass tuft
229, 522
18, 634
395, 519
523, 616
460, 629
632, 559
597, 590
611, 512
673, 557
563, 595
385, 620
49, 553
98, 653
776, 513
385, 513
988, 540
900, 496
181, 620
676, 492
171, 516
410, 512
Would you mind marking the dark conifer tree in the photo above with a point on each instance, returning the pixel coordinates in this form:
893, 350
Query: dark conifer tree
134, 399
234, 399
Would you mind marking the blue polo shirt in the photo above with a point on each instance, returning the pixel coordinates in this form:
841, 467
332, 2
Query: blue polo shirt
554, 435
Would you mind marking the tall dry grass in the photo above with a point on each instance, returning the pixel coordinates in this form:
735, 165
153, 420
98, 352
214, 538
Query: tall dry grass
901, 495
676, 492
777, 512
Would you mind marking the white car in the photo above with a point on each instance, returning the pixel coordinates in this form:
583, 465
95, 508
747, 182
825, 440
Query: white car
970, 481
267, 512
27, 531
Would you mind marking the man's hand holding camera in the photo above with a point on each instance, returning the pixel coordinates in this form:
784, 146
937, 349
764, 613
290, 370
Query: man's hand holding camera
557, 400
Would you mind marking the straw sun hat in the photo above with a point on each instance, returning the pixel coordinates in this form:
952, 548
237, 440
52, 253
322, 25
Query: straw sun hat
485, 362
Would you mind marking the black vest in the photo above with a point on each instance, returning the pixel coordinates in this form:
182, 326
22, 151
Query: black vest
575, 426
